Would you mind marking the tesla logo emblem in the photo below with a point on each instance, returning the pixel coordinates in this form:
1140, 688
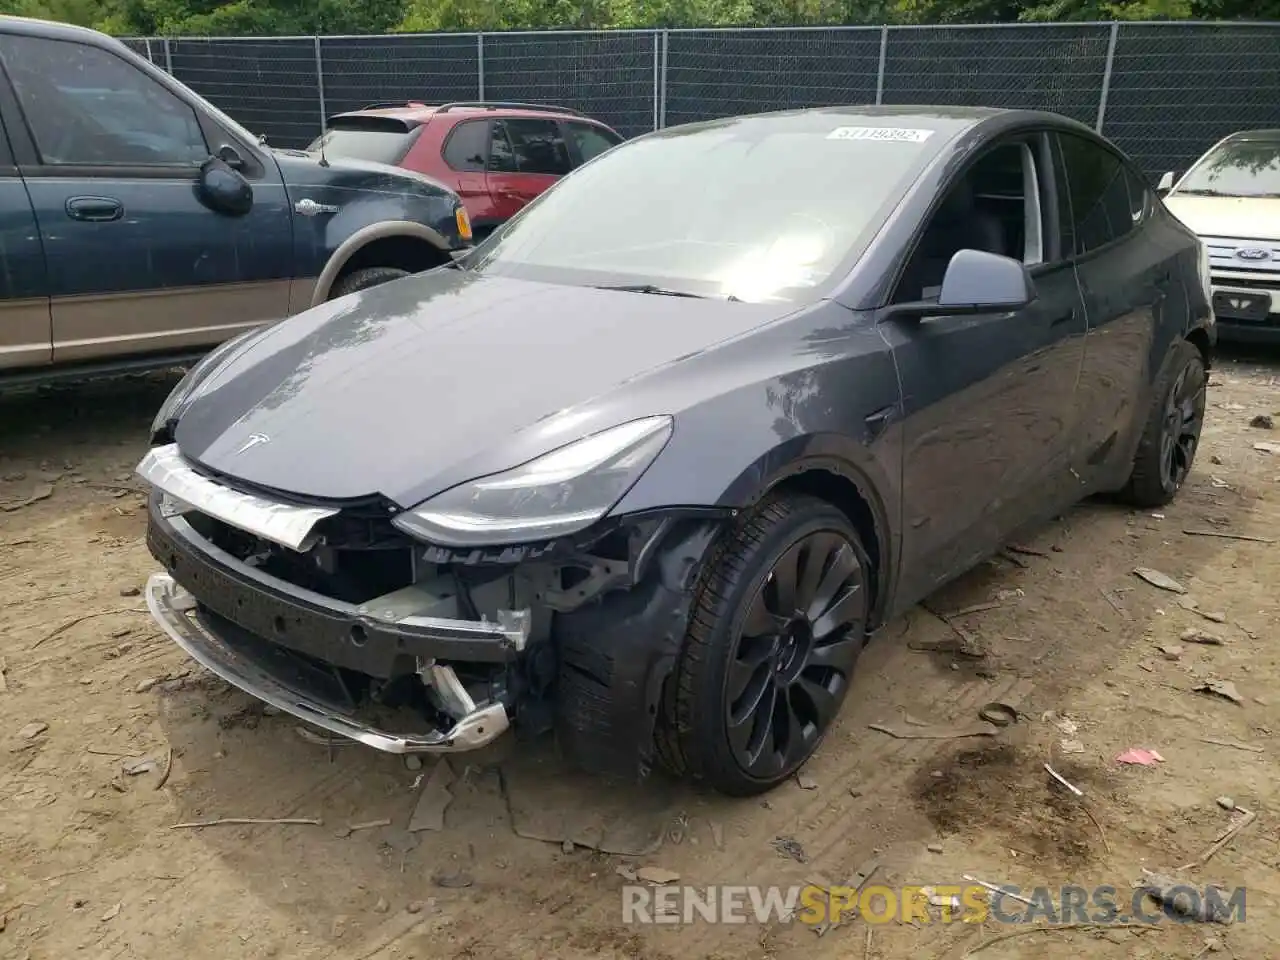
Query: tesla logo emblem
1254, 253
254, 440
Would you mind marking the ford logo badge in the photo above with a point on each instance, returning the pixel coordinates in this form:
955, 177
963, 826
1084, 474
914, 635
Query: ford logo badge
1254, 253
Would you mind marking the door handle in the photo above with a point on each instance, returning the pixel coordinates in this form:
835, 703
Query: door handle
95, 209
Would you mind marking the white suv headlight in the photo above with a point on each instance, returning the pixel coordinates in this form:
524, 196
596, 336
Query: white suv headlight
559, 493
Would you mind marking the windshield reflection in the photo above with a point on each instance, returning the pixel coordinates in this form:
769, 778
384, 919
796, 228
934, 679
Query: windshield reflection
758, 209
1245, 168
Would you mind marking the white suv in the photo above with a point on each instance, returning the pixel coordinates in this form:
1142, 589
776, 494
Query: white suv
1231, 198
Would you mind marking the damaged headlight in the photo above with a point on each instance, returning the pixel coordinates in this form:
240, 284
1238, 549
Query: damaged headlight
180, 397
559, 493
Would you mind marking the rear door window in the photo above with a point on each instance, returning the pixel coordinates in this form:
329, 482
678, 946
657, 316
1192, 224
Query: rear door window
1098, 182
376, 139
467, 146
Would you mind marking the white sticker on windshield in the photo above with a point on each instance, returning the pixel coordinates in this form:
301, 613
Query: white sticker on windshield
893, 134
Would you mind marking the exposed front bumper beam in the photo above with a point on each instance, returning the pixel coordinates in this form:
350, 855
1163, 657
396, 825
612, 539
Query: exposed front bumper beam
174, 609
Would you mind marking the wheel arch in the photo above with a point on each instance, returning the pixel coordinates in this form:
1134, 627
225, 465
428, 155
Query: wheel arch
1199, 338
365, 239
844, 482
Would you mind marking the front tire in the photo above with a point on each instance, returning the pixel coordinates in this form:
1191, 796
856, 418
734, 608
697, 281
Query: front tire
774, 634
1171, 435
364, 279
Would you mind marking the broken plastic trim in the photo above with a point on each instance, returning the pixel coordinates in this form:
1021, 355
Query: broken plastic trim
174, 610
165, 469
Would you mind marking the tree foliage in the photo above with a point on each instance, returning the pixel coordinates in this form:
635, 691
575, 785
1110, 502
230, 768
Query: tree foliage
276, 17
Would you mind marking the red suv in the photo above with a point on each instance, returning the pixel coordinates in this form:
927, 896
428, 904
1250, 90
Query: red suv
496, 156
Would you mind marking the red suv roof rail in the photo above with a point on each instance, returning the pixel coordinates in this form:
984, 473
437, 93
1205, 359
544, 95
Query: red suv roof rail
506, 105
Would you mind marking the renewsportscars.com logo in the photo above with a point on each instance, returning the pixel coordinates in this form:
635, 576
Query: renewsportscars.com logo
815, 905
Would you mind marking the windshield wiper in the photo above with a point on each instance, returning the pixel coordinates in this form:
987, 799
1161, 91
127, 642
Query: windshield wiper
1203, 193
651, 288
661, 291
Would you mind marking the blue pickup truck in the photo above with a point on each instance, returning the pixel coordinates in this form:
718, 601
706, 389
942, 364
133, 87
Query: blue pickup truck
140, 226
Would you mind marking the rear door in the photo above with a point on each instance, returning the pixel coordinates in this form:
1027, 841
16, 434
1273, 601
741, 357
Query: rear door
136, 263
25, 331
466, 153
588, 140
1125, 274
526, 156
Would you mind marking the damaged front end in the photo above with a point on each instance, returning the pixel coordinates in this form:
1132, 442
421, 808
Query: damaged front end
338, 616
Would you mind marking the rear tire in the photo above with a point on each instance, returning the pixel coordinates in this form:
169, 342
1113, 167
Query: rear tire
1171, 435
364, 279
775, 630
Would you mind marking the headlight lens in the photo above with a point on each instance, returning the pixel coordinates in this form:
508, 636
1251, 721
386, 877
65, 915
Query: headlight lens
181, 395
559, 493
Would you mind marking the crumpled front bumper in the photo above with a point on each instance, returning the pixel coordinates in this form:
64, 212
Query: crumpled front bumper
269, 679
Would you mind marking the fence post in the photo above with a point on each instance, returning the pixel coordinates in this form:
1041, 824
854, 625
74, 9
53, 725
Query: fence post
168, 58
662, 78
320, 84
884, 50
147, 43
1106, 76
480, 67
657, 77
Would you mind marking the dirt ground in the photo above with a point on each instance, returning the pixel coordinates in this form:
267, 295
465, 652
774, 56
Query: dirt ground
109, 737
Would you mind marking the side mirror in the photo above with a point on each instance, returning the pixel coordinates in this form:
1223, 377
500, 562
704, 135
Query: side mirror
222, 189
976, 282
1165, 184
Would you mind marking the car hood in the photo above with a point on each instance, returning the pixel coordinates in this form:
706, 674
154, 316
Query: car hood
300, 168
411, 387
1247, 218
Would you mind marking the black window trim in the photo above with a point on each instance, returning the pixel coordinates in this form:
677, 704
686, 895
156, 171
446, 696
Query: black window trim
1125, 165
30, 163
485, 122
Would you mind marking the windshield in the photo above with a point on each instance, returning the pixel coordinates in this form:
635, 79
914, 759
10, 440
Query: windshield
378, 144
1244, 168
758, 209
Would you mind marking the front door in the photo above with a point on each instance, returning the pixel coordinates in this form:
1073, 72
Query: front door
466, 152
988, 399
526, 156
136, 263
24, 295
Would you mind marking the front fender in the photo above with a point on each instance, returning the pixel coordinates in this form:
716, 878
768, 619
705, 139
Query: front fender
378, 230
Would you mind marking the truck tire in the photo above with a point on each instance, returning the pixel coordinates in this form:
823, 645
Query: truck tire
364, 279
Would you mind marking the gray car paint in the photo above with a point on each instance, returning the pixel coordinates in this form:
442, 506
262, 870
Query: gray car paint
956, 431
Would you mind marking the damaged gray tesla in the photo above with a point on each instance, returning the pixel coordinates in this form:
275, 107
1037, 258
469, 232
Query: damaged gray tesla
648, 467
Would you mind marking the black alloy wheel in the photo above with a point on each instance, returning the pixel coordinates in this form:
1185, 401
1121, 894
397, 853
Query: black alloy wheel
1171, 431
1183, 419
794, 654
779, 618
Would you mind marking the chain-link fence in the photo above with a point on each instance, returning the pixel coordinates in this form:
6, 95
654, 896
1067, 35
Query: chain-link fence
1163, 91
